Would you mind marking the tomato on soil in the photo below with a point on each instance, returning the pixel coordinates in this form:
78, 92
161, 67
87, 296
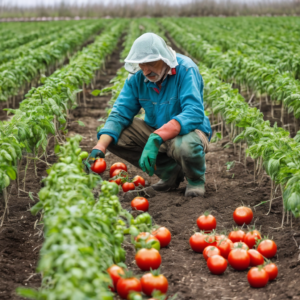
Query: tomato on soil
251, 237
147, 259
257, 277
220, 237
138, 180
117, 166
243, 215
163, 235
240, 245
267, 248
128, 186
147, 238
239, 259
99, 166
140, 203
210, 251
115, 273
207, 222
256, 258
217, 264
225, 246
272, 270
126, 285
152, 282
200, 241
236, 235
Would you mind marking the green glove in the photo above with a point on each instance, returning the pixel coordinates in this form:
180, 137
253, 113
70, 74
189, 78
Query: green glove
148, 158
94, 155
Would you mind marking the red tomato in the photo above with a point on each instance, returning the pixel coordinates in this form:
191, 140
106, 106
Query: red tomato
117, 166
217, 264
147, 259
220, 237
200, 241
243, 215
210, 251
163, 235
128, 186
140, 203
127, 285
240, 245
272, 270
256, 258
236, 235
99, 166
257, 277
138, 180
151, 283
147, 238
239, 259
267, 248
225, 246
207, 222
251, 237
114, 272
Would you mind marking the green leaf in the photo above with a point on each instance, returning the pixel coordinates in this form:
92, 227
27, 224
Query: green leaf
27, 293
11, 173
96, 92
80, 123
36, 208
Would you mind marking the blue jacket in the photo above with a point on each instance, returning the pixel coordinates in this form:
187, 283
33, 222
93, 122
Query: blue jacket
180, 98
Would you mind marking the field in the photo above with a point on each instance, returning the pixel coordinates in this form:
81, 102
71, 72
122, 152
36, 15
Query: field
60, 232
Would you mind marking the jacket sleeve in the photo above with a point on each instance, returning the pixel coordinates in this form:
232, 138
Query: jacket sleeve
122, 113
191, 102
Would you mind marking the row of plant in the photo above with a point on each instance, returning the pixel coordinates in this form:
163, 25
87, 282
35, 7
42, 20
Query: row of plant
270, 147
15, 73
248, 71
45, 109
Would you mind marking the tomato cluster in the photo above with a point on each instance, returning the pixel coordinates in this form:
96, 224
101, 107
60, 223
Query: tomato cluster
236, 248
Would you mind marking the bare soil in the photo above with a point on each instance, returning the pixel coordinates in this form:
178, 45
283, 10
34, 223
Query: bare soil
186, 271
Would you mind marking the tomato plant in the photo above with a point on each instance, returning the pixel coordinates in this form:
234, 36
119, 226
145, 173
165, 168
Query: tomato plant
257, 277
99, 166
237, 235
117, 166
138, 180
115, 273
199, 241
256, 258
217, 264
207, 222
272, 270
243, 215
251, 238
140, 203
154, 281
163, 235
128, 186
147, 259
267, 248
127, 285
210, 251
239, 259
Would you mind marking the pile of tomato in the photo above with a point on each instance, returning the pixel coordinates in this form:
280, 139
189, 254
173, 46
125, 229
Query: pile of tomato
236, 248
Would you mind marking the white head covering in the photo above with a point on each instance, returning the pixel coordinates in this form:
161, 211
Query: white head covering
147, 48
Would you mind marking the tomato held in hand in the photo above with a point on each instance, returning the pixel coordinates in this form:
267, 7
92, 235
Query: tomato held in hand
237, 235
140, 203
200, 241
267, 248
128, 186
207, 222
115, 273
243, 215
256, 258
272, 270
210, 251
127, 285
163, 235
239, 259
257, 277
251, 237
138, 180
99, 166
225, 246
217, 264
151, 282
147, 259
117, 166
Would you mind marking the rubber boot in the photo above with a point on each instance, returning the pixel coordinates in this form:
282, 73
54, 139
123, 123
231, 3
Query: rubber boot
194, 189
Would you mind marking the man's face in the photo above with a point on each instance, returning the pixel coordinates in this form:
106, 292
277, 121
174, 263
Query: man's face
153, 70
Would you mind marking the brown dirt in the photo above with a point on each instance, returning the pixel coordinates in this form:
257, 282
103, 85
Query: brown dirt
186, 271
